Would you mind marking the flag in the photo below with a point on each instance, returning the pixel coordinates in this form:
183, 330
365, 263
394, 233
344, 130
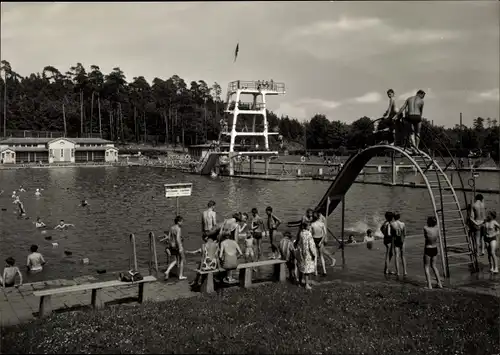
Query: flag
236, 51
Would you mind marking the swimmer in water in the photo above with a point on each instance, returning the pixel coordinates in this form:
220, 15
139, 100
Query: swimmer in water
63, 225
492, 230
14, 195
38, 193
84, 203
39, 223
21, 189
35, 260
22, 211
431, 235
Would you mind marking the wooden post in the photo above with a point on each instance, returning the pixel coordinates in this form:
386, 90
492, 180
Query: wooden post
327, 211
134, 252
176, 206
342, 232
393, 168
153, 258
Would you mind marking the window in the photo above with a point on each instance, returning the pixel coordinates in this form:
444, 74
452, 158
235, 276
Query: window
51, 151
72, 153
107, 153
62, 153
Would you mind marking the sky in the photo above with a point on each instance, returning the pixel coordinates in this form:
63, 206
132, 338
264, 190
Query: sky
336, 58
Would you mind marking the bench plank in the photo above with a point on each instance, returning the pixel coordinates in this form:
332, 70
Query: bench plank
91, 286
245, 266
261, 263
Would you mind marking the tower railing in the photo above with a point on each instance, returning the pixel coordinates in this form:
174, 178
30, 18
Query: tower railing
270, 85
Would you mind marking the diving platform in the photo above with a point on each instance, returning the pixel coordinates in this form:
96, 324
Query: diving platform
236, 106
267, 87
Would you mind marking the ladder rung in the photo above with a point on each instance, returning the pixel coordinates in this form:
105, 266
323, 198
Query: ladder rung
453, 220
458, 264
456, 245
455, 236
459, 254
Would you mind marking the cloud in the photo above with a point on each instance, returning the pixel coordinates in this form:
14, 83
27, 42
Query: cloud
307, 107
490, 95
429, 94
359, 36
368, 98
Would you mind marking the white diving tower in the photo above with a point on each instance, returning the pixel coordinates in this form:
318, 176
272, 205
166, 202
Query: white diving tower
238, 104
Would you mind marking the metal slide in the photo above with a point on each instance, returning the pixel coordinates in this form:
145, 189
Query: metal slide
444, 200
209, 163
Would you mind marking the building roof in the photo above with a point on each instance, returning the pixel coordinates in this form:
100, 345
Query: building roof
6, 149
29, 149
89, 149
31, 140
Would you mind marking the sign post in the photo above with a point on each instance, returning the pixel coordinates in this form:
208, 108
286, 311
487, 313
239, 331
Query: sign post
178, 190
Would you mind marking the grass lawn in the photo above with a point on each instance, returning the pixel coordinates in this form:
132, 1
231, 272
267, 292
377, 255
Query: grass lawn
333, 318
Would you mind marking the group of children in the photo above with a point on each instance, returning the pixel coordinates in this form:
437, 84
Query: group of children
34, 264
221, 243
484, 230
35, 260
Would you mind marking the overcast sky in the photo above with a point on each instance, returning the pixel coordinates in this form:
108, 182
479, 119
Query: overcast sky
335, 58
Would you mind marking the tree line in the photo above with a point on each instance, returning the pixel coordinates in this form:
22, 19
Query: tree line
89, 103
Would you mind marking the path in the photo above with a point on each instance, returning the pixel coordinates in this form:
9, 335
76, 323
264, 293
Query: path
18, 305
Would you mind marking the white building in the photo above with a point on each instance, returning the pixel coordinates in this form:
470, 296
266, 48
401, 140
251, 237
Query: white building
57, 150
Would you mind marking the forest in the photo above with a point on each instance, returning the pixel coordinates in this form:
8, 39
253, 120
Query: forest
85, 102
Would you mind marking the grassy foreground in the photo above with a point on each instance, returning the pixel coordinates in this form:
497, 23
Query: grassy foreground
333, 318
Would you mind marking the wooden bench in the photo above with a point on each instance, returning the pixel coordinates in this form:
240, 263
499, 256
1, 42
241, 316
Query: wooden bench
96, 299
245, 278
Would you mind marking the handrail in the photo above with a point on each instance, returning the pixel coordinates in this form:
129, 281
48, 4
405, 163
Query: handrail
153, 258
133, 253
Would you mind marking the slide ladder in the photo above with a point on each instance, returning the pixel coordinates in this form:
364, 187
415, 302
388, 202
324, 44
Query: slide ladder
458, 247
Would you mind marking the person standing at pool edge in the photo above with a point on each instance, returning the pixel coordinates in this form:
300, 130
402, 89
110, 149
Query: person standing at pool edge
477, 223
176, 248
492, 230
208, 218
431, 235
414, 108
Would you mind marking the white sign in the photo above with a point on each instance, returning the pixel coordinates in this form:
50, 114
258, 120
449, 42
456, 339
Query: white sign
178, 190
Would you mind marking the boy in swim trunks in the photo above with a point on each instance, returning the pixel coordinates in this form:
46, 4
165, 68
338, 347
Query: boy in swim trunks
176, 248
318, 231
386, 230
431, 235
287, 251
272, 225
399, 233
414, 108
9, 274
208, 218
257, 227
249, 252
228, 254
492, 230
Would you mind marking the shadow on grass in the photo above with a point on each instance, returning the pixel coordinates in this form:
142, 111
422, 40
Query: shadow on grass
340, 318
